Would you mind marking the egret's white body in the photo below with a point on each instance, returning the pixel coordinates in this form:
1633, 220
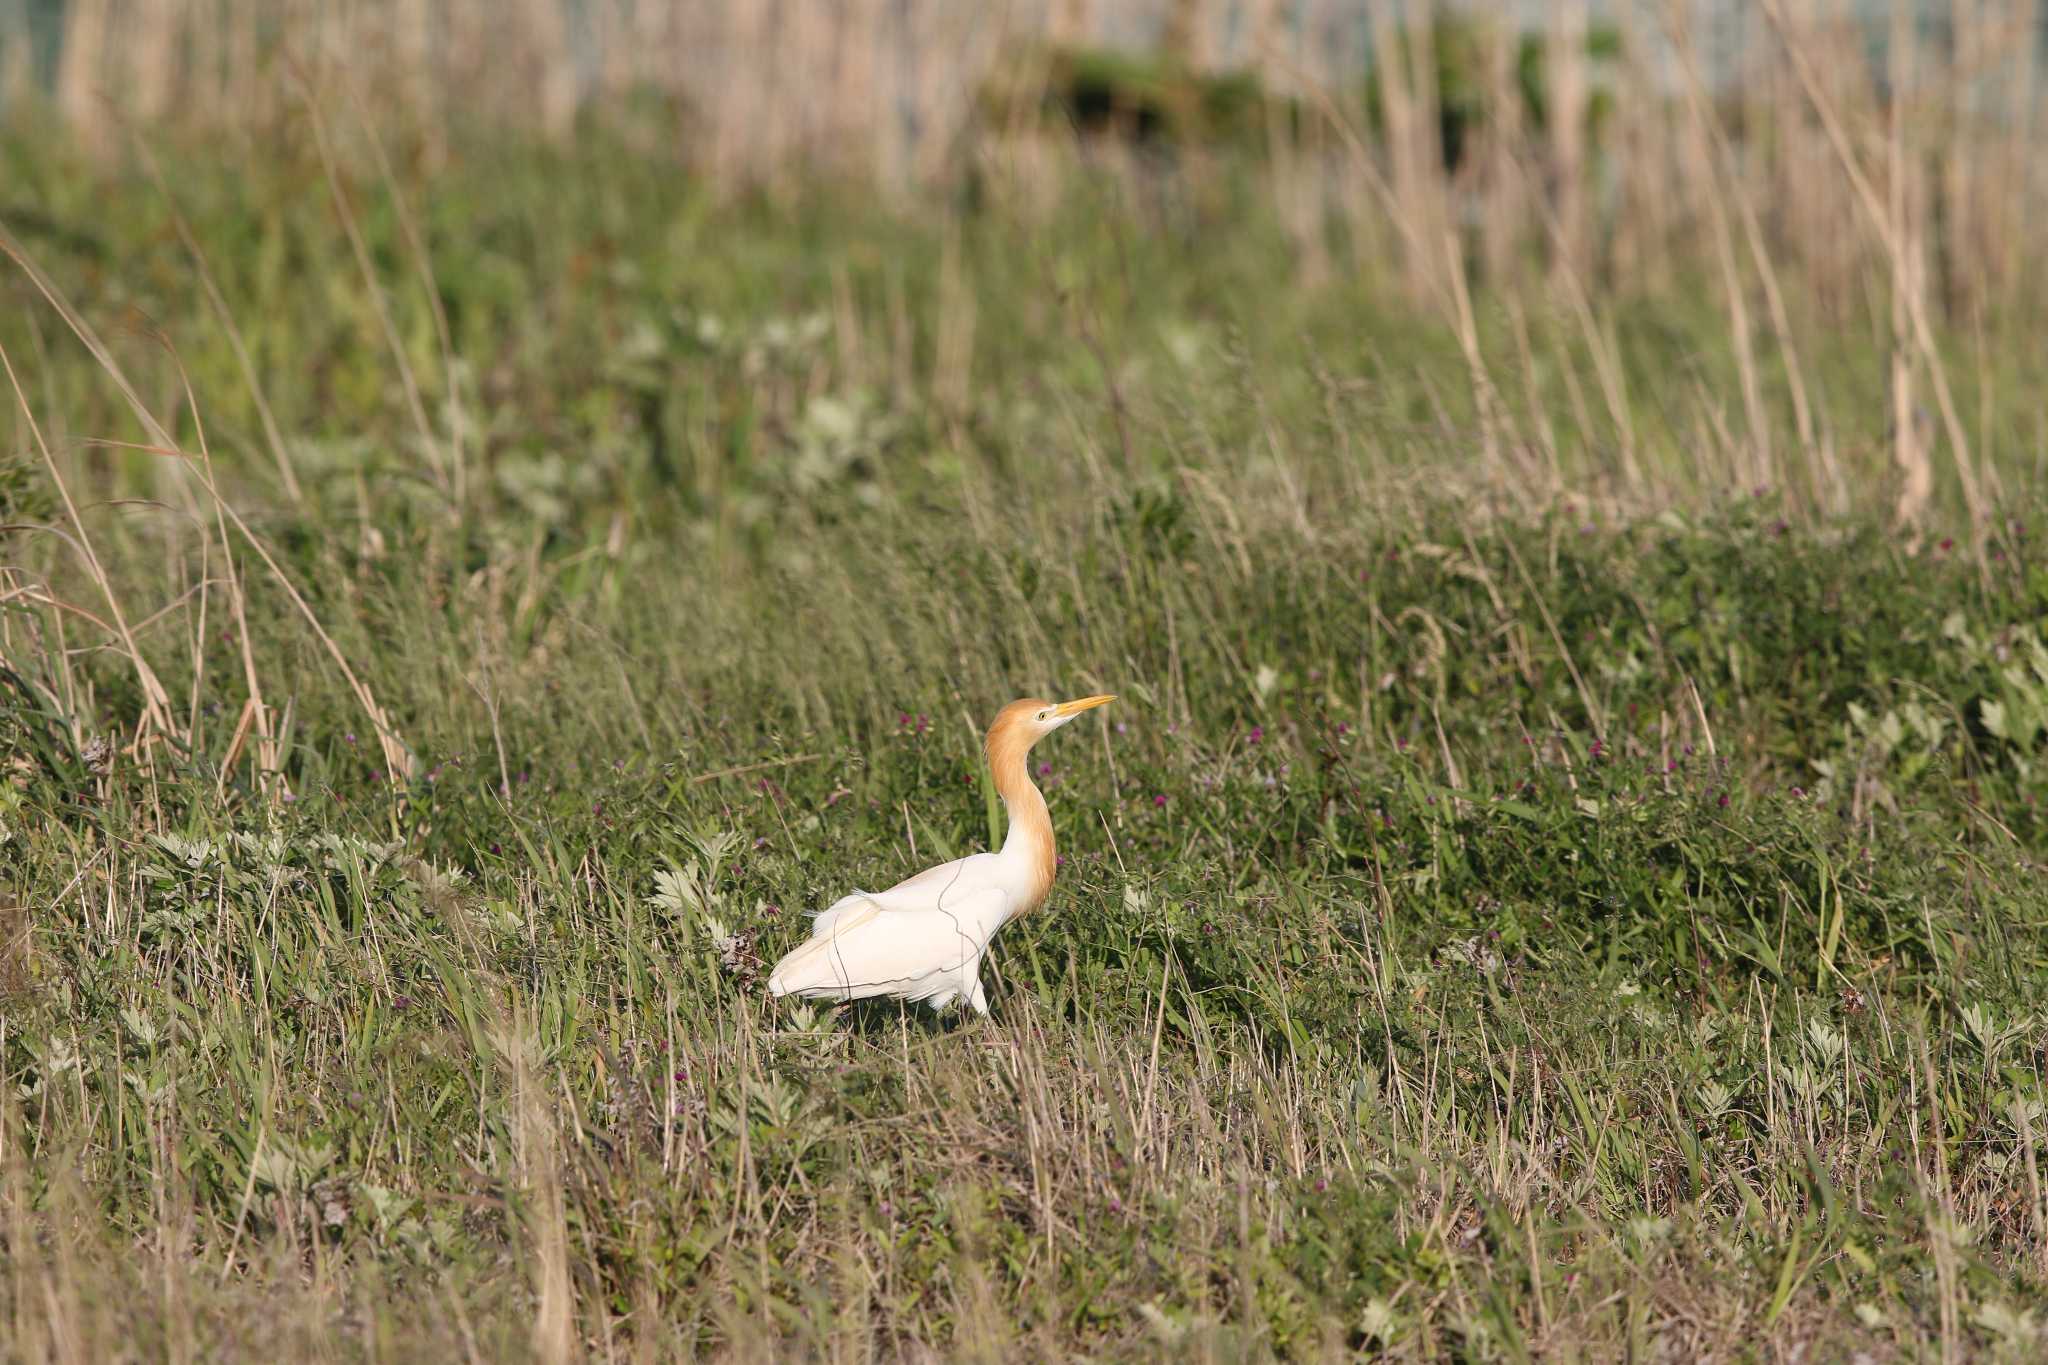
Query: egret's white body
924, 938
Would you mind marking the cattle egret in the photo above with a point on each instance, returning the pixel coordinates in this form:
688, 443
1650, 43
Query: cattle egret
923, 939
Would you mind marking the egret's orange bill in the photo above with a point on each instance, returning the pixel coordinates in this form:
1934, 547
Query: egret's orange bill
1075, 708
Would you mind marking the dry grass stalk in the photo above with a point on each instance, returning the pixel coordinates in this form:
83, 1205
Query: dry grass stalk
1705, 165
1915, 469
1408, 104
1503, 216
539, 1164
156, 702
397, 756
867, 90
1570, 98
1902, 247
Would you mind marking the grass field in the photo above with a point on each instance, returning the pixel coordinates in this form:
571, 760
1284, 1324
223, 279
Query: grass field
1560, 879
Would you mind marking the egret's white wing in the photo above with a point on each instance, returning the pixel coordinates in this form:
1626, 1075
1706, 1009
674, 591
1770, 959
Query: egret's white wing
919, 942
938, 886
944, 887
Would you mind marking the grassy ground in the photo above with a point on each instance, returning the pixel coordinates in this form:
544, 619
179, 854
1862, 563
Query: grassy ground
1540, 892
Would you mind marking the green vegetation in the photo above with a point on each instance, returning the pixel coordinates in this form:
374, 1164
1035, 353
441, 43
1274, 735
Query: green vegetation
1128, 95
1460, 47
1540, 892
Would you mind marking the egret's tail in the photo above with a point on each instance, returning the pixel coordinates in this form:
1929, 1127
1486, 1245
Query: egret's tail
828, 919
818, 966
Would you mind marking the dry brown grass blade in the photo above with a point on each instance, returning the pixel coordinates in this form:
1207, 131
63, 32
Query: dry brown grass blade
1368, 170
156, 702
1828, 475
539, 1163
397, 757
43, 598
1884, 221
1757, 467
267, 777
250, 710
1408, 100
1569, 98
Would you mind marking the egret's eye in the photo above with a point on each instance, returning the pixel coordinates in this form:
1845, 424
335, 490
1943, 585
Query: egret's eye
1045, 715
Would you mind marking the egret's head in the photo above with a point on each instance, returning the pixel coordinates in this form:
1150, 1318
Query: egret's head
1033, 718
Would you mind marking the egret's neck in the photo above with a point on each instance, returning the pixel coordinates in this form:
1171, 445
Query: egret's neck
1029, 842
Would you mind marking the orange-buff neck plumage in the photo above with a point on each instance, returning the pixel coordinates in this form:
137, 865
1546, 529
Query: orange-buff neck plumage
1030, 840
